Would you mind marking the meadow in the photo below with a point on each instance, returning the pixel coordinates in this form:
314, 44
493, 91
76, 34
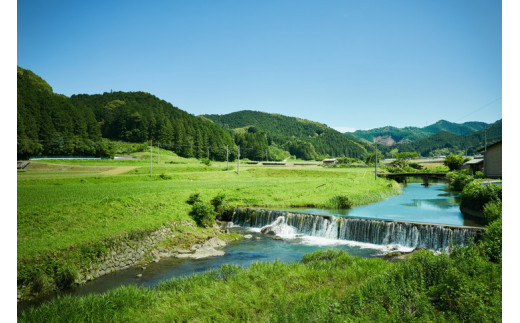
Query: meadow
68, 211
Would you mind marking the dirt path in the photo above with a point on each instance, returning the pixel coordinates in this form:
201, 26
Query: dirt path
118, 170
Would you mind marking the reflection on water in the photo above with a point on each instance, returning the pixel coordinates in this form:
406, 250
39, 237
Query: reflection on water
424, 204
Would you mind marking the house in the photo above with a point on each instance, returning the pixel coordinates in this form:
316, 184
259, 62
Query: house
493, 160
330, 161
476, 164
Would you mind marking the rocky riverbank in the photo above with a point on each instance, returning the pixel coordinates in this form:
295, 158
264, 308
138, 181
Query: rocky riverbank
167, 241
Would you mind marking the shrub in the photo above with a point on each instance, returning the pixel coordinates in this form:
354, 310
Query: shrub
475, 196
454, 162
217, 200
203, 214
493, 211
479, 174
164, 176
66, 275
41, 283
339, 202
206, 161
458, 179
195, 197
491, 242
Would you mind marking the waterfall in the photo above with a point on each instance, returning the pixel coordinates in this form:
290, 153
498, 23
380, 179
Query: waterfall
429, 236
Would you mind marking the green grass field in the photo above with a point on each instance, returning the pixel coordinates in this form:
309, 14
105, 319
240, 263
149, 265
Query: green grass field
57, 212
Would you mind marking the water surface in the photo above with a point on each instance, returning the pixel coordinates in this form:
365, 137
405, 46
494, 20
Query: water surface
434, 204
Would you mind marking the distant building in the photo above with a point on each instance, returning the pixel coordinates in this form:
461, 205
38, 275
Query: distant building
493, 160
330, 161
476, 164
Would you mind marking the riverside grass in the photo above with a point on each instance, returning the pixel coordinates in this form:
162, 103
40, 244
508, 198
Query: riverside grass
66, 221
325, 286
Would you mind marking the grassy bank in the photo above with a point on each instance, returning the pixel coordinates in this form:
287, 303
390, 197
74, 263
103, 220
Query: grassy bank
326, 286
67, 220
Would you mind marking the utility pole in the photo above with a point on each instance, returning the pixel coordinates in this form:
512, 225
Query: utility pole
227, 157
158, 153
346, 154
151, 146
485, 151
238, 160
375, 145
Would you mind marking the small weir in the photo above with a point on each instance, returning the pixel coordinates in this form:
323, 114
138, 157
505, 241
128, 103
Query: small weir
380, 232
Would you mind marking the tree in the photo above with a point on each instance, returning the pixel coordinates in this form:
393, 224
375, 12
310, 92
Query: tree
454, 161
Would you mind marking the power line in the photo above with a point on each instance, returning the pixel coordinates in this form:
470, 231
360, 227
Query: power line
482, 107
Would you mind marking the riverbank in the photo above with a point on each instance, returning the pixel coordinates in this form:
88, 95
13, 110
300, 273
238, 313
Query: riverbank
325, 286
69, 225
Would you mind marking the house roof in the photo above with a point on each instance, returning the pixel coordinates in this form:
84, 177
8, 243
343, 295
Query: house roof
496, 143
474, 161
330, 159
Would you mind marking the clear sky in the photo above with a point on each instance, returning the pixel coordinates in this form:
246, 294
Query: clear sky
351, 64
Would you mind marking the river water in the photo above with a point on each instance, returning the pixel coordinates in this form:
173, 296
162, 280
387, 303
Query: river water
433, 204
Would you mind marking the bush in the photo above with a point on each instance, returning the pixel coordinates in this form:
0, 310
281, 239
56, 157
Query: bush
206, 161
454, 162
493, 211
474, 196
66, 275
491, 242
164, 176
458, 179
41, 283
339, 202
195, 197
203, 214
217, 200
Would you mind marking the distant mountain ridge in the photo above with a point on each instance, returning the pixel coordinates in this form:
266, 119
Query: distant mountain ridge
390, 135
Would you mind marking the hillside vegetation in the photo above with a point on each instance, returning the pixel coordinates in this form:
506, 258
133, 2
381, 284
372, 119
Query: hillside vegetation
407, 134
304, 139
53, 124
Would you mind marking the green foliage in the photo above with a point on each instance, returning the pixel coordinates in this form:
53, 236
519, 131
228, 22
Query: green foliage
406, 155
165, 176
459, 179
475, 196
454, 162
203, 214
194, 198
325, 286
288, 133
444, 142
493, 210
491, 241
339, 202
66, 275
206, 161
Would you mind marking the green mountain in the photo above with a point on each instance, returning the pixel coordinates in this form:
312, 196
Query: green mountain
49, 124
53, 124
392, 135
303, 138
444, 142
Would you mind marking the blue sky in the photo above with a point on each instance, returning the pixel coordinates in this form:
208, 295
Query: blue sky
350, 64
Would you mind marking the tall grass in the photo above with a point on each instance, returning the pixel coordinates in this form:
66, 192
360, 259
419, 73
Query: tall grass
326, 286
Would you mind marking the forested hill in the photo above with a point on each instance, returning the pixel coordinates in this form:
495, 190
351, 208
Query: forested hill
53, 124
49, 124
299, 136
445, 142
140, 117
391, 135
